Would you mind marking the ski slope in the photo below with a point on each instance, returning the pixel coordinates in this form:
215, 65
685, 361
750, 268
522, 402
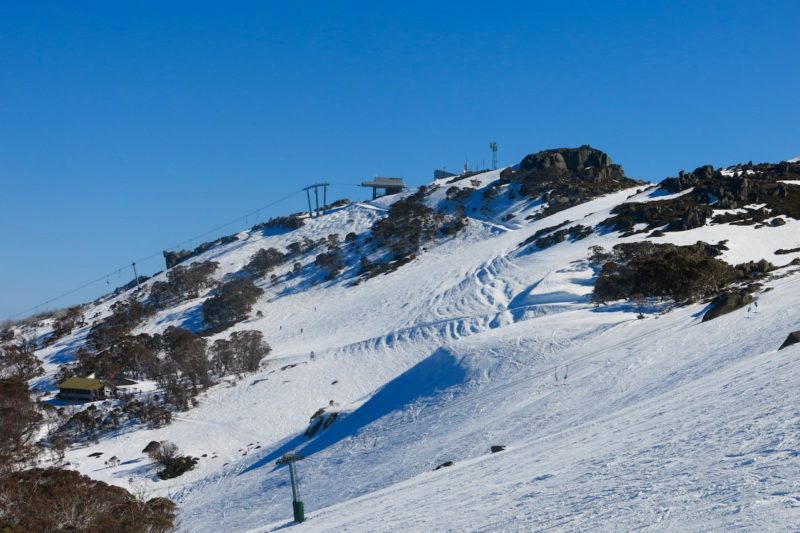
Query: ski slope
611, 422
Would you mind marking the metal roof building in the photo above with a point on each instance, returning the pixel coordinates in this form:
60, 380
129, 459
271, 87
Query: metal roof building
388, 185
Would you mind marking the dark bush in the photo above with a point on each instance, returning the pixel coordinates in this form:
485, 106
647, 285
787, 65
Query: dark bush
680, 273
173, 258
125, 316
183, 282
67, 320
290, 222
242, 352
231, 303
263, 261
19, 420
188, 352
331, 263
177, 467
408, 224
17, 361
52, 499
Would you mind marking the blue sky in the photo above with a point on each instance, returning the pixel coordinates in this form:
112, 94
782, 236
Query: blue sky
128, 127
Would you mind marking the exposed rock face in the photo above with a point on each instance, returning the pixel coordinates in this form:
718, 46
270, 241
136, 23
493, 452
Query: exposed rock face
583, 160
727, 302
736, 188
444, 465
498, 448
793, 338
749, 183
564, 177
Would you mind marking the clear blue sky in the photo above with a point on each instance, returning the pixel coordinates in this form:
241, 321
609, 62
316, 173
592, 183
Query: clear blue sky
128, 127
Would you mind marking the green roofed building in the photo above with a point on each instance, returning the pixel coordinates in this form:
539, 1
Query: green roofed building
85, 389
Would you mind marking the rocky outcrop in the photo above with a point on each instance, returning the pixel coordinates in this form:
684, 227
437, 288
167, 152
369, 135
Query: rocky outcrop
793, 338
727, 302
564, 177
734, 189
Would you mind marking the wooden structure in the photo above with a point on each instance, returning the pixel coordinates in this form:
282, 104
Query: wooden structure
388, 185
86, 389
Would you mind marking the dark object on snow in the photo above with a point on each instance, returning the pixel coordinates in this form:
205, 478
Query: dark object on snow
152, 446
446, 463
498, 448
96, 454
793, 338
176, 466
727, 302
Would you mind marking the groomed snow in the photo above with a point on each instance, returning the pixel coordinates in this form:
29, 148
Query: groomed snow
664, 423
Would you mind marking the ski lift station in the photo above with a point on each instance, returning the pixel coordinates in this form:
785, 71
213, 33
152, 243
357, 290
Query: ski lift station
387, 185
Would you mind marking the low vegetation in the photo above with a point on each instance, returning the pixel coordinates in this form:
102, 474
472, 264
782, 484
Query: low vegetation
407, 226
183, 283
231, 303
646, 270
264, 261
54, 499
173, 464
173, 258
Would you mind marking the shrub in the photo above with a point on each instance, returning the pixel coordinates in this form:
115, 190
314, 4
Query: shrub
173, 258
407, 225
231, 303
330, 262
167, 455
242, 352
52, 499
183, 282
290, 222
17, 361
663, 270
19, 419
188, 352
126, 315
67, 320
263, 261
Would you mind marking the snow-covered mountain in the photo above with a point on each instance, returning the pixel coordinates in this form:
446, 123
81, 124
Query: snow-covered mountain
634, 413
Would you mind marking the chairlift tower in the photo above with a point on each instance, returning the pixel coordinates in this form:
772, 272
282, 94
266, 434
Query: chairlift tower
493, 146
317, 211
298, 507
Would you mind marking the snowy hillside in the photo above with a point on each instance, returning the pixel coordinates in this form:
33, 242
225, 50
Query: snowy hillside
620, 416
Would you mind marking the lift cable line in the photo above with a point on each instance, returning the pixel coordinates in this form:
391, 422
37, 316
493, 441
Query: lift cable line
106, 277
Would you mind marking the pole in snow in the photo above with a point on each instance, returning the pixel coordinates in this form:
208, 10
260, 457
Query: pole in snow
297, 505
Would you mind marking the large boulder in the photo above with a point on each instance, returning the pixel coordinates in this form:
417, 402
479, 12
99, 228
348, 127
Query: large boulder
793, 338
574, 161
727, 302
445, 465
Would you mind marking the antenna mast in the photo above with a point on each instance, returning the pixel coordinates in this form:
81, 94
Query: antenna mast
493, 146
